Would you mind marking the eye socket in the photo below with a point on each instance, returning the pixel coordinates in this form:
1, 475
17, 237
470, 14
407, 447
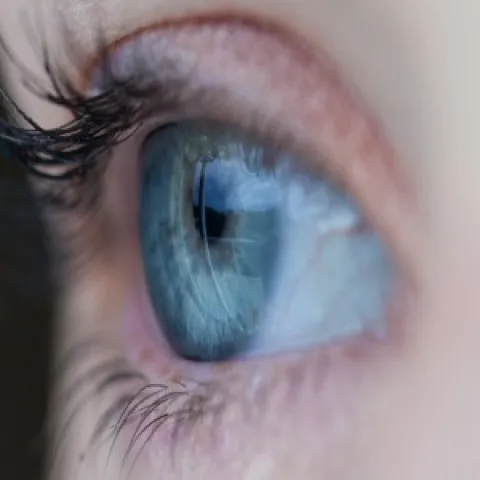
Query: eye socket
246, 253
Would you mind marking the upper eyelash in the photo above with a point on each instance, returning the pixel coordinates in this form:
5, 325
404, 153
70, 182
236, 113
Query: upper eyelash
100, 121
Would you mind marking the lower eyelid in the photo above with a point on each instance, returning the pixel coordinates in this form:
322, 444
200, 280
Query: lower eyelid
330, 381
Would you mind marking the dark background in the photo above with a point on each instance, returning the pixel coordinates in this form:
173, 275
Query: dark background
25, 326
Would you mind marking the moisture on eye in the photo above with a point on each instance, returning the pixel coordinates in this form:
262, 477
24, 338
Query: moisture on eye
242, 255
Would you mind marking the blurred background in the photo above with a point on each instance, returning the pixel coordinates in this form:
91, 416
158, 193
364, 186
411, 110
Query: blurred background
25, 326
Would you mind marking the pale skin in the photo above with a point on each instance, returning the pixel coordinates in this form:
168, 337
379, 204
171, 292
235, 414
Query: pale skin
407, 409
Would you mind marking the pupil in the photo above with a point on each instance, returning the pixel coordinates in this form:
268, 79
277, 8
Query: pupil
213, 225
210, 218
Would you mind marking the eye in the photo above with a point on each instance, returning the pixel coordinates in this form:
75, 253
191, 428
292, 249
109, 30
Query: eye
246, 252
245, 248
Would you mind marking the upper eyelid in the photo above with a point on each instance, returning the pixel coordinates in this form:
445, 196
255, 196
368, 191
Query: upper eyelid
166, 66
366, 163
319, 89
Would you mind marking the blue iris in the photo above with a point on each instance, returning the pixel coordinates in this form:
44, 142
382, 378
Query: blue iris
209, 230
245, 252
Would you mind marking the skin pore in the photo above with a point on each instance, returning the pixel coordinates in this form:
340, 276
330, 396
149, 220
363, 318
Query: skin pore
403, 408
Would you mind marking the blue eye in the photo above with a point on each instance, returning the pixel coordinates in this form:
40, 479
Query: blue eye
245, 253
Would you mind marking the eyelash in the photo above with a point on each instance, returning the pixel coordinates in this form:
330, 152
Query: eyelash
100, 122
76, 149
144, 406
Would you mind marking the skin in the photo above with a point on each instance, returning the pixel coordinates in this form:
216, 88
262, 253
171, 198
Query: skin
406, 409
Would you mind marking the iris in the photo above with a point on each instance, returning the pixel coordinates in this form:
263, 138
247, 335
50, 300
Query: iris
231, 230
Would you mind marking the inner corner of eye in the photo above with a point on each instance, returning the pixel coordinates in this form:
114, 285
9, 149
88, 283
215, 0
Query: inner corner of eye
235, 248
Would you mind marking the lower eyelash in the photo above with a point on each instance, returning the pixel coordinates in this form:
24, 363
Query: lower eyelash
138, 412
146, 413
